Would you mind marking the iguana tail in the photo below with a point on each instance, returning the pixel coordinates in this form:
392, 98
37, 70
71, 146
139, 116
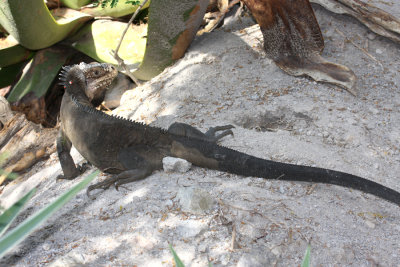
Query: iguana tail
231, 161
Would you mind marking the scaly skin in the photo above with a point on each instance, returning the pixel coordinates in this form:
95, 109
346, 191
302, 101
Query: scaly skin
132, 150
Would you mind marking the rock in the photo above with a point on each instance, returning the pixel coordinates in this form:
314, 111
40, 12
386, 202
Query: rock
257, 258
171, 164
345, 255
113, 96
191, 228
72, 259
195, 200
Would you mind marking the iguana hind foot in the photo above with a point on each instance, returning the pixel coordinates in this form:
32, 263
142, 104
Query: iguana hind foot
120, 179
226, 131
183, 129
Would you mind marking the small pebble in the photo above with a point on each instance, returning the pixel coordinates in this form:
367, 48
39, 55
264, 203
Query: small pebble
371, 36
370, 224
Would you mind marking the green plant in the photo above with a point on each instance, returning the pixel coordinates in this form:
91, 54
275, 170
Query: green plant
114, 3
19, 233
9, 215
306, 259
177, 260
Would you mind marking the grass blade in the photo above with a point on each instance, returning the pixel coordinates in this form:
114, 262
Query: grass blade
15, 236
9, 215
306, 260
178, 262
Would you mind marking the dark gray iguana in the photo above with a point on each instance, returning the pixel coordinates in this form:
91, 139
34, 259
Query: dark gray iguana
132, 150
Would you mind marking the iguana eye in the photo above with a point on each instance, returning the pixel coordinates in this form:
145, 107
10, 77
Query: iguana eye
96, 72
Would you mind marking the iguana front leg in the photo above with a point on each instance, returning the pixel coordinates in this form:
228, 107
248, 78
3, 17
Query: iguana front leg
67, 163
183, 129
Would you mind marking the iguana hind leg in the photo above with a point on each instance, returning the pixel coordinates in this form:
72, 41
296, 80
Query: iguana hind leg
184, 129
120, 179
67, 163
136, 166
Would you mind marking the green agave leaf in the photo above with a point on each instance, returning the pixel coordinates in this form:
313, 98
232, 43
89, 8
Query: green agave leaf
9, 215
306, 260
75, 4
15, 236
34, 27
8, 74
100, 37
39, 73
178, 262
171, 30
121, 9
11, 52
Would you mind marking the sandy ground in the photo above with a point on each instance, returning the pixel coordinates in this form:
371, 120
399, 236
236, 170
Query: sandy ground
225, 78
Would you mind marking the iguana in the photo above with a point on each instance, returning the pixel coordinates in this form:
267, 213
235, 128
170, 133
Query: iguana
132, 150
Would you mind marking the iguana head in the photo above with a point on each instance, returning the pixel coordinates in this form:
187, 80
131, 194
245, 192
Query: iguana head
93, 78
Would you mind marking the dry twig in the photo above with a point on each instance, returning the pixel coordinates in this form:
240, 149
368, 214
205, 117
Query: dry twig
359, 47
116, 56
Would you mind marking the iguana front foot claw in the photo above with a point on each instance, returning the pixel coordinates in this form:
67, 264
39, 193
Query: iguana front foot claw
84, 167
80, 169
